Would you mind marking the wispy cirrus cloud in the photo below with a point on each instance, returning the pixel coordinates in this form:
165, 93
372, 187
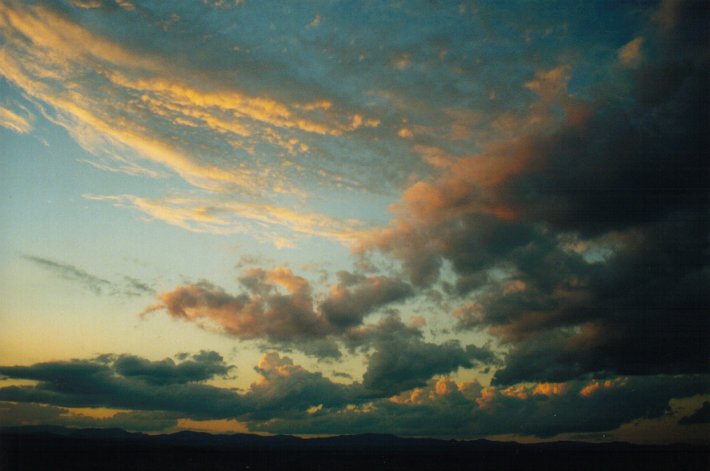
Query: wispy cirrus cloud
142, 113
154, 110
14, 122
228, 216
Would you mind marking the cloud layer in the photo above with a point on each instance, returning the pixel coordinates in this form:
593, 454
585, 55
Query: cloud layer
289, 398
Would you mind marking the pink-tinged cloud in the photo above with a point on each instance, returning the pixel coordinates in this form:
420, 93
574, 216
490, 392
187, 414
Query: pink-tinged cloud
278, 306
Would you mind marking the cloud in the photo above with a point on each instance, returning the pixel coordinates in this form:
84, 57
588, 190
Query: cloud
278, 306
700, 416
140, 107
288, 398
136, 287
24, 414
153, 108
127, 287
263, 312
446, 409
199, 367
315, 22
572, 228
144, 385
14, 122
215, 216
631, 52
576, 243
356, 296
166, 389
284, 387
402, 360
70, 272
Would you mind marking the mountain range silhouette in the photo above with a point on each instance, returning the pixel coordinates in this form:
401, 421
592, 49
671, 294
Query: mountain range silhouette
60, 448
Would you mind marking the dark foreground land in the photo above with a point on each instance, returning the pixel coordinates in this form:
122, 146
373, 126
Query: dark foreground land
56, 448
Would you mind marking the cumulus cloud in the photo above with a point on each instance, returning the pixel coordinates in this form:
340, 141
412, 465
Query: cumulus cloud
357, 295
261, 312
401, 359
579, 242
278, 306
284, 388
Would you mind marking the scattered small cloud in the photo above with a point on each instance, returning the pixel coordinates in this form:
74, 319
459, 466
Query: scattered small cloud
630, 54
315, 23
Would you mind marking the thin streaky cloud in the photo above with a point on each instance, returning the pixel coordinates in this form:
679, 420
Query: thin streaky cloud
127, 287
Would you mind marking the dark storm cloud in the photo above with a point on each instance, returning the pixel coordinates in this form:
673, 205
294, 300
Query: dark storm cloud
583, 245
128, 287
401, 359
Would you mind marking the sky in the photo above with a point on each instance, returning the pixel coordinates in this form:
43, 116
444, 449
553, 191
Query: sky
426, 218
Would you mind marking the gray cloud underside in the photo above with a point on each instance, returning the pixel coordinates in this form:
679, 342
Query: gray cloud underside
21, 414
288, 398
401, 362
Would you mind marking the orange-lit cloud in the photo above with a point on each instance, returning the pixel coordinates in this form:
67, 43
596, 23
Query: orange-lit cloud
14, 122
596, 386
279, 306
630, 54
49, 57
232, 216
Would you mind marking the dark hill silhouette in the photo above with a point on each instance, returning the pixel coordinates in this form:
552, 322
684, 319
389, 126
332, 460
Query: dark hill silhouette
58, 448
